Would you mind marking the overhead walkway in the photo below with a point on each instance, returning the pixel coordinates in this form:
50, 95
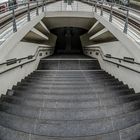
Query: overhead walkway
71, 101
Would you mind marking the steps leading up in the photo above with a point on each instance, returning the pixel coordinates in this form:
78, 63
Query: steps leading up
70, 98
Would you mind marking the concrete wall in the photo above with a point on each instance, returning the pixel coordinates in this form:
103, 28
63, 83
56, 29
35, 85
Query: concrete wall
22, 49
117, 49
13, 47
15, 38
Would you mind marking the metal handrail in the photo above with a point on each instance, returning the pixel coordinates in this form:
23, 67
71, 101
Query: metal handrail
16, 6
18, 61
106, 58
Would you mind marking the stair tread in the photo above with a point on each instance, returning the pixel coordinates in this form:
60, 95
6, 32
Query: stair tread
60, 128
125, 134
64, 103
66, 114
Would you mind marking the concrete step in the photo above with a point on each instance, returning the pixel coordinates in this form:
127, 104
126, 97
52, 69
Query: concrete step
67, 114
69, 96
102, 81
124, 134
69, 128
63, 103
100, 93
71, 85
82, 83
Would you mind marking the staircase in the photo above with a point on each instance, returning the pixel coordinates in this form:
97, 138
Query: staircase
70, 98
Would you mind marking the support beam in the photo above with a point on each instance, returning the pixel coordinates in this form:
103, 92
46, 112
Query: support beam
44, 26
97, 22
39, 33
98, 33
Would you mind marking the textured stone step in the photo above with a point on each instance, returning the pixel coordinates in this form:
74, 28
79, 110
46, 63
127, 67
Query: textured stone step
72, 81
70, 73
92, 97
70, 128
74, 86
59, 90
68, 114
72, 76
120, 92
78, 82
68, 65
61, 103
68, 96
68, 87
130, 133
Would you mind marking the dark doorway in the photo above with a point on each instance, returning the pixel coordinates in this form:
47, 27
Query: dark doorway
68, 40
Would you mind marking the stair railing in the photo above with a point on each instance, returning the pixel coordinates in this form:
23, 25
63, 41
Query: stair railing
120, 11
19, 10
13, 63
108, 58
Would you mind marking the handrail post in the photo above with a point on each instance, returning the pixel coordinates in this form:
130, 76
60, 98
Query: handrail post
37, 12
14, 19
77, 5
126, 22
28, 13
111, 12
43, 6
101, 9
61, 8
96, 6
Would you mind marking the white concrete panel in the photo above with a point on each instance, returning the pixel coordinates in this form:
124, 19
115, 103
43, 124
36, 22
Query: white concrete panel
15, 38
98, 33
39, 33
97, 22
22, 49
116, 49
124, 39
44, 26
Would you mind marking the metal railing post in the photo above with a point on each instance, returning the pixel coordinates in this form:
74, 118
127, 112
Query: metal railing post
96, 7
14, 19
92, 7
101, 10
43, 6
111, 11
126, 22
77, 5
28, 13
37, 12
61, 6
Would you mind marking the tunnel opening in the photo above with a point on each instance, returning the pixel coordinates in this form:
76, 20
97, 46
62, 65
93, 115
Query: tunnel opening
68, 40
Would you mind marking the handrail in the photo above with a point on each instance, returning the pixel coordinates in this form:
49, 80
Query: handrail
115, 4
98, 49
9, 8
122, 66
125, 59
31, 58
